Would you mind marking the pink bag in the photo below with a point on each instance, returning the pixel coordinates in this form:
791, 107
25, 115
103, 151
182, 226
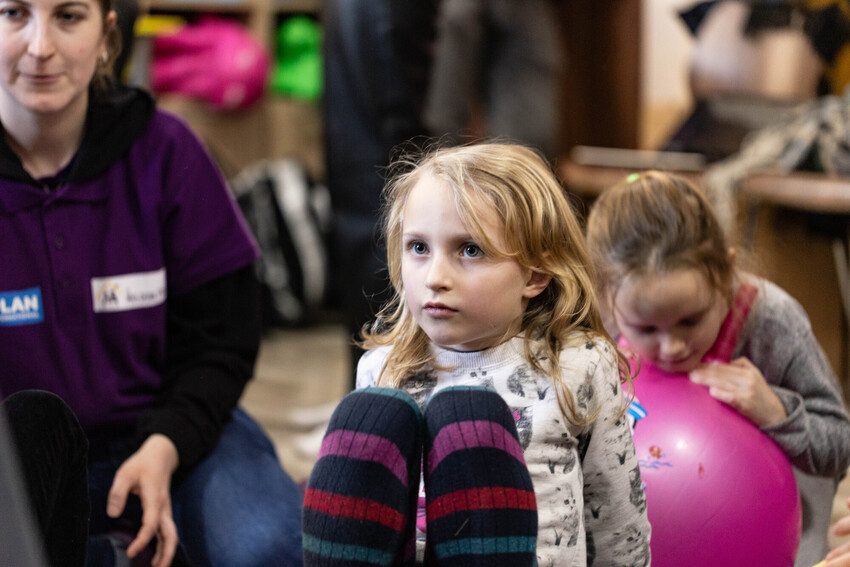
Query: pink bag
215, 60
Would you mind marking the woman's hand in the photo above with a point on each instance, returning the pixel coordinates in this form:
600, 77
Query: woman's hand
147, 474
741, 385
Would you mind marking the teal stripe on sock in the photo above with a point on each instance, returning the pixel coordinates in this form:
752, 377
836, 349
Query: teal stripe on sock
393, 393
464, 389
486, 546
346, 552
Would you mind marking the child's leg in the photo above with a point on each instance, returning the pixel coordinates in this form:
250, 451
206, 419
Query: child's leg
360, 504
481, 508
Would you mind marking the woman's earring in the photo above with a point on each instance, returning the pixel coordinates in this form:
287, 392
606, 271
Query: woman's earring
104, 57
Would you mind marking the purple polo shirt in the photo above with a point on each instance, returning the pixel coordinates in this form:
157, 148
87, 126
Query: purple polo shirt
86, 270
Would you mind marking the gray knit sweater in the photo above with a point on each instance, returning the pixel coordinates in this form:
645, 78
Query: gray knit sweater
778, 339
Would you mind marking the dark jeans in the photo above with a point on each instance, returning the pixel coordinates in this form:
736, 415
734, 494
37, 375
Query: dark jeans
235, 508
52, 451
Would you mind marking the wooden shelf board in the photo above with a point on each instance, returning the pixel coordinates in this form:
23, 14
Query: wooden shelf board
230, 7
297, 6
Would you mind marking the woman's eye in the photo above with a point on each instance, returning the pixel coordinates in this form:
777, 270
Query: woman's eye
70, 17
11, 13
472, 251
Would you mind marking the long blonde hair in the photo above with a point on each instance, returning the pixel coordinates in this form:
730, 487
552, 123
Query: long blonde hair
541, 232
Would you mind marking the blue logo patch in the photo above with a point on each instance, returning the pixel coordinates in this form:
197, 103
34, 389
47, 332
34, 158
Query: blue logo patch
22, 307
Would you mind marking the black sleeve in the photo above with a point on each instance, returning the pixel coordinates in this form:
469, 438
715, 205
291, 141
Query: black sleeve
213, 336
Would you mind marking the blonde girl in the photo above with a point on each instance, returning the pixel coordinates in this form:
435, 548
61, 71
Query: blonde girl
669, 283
494, 299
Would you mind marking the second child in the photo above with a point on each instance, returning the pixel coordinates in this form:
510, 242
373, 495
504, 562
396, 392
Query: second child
669, 284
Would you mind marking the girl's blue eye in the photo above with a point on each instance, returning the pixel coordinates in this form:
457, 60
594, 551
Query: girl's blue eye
472, 251
417, 247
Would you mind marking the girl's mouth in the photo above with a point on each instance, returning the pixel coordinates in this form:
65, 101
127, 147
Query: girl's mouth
438, 310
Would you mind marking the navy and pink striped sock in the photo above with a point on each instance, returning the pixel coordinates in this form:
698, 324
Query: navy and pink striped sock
360, 502
480, 503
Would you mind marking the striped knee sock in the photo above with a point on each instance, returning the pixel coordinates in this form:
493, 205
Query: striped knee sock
360, 502
480, 503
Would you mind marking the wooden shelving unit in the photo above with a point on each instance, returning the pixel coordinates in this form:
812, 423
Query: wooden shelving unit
205, 6
277, 126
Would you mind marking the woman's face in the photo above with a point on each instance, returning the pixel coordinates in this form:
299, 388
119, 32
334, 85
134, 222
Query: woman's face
49, 50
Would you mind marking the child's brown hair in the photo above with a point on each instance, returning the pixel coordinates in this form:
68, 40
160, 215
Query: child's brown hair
656, 222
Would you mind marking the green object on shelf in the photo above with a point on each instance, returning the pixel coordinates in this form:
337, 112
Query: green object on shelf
298, 66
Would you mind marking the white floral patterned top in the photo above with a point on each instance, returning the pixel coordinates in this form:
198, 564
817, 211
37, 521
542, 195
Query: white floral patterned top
591, 505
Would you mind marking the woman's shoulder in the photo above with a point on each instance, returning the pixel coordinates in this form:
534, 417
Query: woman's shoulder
166, 125
126, 113
171, 142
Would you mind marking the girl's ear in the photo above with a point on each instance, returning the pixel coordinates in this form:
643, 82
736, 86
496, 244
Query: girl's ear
733, 253
536, 283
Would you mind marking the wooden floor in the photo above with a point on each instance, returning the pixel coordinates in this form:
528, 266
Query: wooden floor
301, 374
296, 372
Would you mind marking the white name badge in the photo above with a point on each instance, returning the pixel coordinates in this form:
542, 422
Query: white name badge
128, 291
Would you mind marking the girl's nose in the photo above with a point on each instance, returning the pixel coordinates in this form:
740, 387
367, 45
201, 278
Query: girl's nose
439, 273
672, 347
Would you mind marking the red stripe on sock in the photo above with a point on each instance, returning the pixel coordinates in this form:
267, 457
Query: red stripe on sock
484, 498
352, 507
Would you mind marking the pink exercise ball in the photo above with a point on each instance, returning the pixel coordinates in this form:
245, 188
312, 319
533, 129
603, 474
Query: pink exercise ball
718, 491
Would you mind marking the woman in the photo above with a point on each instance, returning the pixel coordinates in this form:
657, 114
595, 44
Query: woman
127, 289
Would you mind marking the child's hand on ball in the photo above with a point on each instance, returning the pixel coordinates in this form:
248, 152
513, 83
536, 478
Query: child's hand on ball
840, 556
741, 385
840, 559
